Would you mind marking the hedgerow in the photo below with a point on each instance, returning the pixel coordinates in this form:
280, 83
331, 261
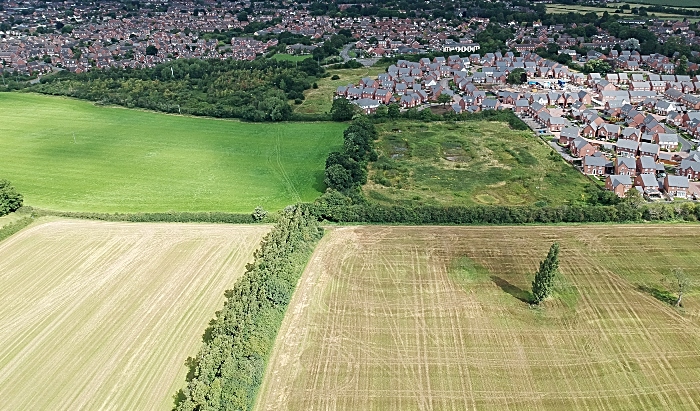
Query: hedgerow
229, 368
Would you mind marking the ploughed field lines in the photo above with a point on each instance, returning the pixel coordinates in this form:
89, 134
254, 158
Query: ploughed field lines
101, 315
433, 318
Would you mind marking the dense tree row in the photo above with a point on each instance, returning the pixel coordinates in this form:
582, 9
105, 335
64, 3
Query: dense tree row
10, 199
252, 90
336, 207
347, 169
229, 367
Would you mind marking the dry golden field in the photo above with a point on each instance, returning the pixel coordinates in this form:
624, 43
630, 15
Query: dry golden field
433, 318
102, 316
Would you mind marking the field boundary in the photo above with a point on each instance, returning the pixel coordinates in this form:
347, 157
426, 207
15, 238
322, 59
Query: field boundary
16, 226
165, 217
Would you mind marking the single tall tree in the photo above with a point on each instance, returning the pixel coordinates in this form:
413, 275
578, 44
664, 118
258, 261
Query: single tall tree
544, 278
679, 282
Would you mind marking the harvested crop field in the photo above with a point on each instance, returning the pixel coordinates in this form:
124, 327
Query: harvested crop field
418, 318
98, 315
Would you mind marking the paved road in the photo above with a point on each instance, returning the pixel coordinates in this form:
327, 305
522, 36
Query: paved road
345, 55
559, 149
344, 52
685, 144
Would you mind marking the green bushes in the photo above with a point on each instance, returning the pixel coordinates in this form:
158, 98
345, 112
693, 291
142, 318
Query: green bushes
504, 116
15, 227
335, 207
229, 368
347, 170
251, 90
168, 217
10, 199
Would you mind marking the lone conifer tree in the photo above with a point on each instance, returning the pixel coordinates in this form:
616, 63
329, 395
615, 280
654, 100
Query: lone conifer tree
544, 279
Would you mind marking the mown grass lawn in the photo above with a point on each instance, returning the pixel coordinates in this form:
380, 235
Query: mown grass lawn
468, 163
71, 155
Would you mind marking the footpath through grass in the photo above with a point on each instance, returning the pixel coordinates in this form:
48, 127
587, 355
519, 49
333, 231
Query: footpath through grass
468, 163
71, 155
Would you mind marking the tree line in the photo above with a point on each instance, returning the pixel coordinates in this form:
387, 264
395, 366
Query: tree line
229, 368
338, 209
256, 90
353, 207
347, 169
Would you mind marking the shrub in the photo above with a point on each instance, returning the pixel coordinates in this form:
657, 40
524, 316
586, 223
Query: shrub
10, 199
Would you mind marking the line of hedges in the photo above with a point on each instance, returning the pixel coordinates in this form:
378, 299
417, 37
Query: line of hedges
166, 217
15, 227
489, 214
229, 368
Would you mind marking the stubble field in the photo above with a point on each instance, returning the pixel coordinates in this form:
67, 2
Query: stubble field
103, 316
418, 318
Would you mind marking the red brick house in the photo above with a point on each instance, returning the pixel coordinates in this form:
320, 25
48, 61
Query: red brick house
580, 147
625, 166
618, 184
676, 186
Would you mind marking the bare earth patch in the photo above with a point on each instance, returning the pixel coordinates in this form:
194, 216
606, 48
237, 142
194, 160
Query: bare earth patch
98, 315
423, 318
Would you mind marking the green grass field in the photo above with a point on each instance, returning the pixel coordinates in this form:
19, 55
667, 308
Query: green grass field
319, 101
291, 57
421, 318
669, 3
71, 155
468, 163
627, 14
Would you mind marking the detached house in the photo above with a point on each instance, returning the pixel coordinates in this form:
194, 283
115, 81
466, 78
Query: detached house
625, 166
580, 147
676, 186
646, 165
648, 184
626, 148
568, 134
618, 184
594, 165
666, 141
690, 169
649, 149
609, 131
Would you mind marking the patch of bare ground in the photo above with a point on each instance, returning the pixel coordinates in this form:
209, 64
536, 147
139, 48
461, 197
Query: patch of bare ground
98, 315
422, 318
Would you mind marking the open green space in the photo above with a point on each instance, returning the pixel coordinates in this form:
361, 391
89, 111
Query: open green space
467, 163
319, 100
626, 14
669, 3
291, 57
72, 155
416, 318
